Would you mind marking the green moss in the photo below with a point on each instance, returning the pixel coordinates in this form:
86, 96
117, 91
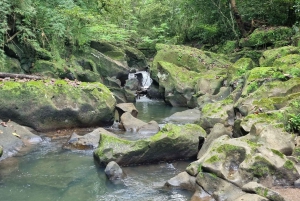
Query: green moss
212, 159
261, 167
228, 148
278, 153
289, 165
252, 144
296, 153
262, 191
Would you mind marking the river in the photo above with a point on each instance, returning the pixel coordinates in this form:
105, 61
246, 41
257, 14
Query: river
48, 172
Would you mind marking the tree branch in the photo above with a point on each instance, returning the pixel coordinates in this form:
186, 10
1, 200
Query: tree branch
13, 36
21, 76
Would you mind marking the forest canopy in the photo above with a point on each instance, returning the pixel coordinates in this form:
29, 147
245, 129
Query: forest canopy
51, 24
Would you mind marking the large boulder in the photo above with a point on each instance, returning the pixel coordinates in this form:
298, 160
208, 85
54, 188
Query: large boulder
54, 104
177, 69
240, 160
266, 36
13, 137
126, 107
171, 143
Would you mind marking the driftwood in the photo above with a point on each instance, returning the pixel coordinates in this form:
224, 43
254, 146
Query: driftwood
20, 76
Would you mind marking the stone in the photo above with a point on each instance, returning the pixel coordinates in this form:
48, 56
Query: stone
149, 129
182, 181
297, 183
126, 107
170, 143
14, 136
251, 197
218, 188
254, 187
55, 104
188, 116
113, 171
131, 123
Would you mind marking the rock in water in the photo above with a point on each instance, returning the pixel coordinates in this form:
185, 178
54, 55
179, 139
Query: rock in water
113, 171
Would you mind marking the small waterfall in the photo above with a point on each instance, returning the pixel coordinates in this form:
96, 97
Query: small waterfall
143, 78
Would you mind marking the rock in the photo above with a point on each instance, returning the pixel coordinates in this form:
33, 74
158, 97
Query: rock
217, 131
251, 197
177, 69
10, 65
149, 129
187, 116
171, 143
113, 171
218, 188
13, 137
131, 123
262, 36
201, 196
132, 84
269, 56
217, 112
87, 141
126, 107
154, 92
254, 187
240, 160
183, 181
297, 183
54, 104
239, 69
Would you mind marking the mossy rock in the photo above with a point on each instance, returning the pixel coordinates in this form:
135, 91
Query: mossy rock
239, 68
55, 104
228, 47
264, 36
189, 58
269, 56
171, 143
10, 65
255, 55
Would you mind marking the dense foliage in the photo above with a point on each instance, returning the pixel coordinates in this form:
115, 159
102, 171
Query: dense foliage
50, 24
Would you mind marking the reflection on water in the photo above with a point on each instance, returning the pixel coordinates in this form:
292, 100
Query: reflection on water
51, 173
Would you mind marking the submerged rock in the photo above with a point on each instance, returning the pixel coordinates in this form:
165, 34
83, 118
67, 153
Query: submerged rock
54, 104
113, 171
171, 143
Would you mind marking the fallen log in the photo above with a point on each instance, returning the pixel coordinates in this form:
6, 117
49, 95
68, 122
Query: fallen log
20, 76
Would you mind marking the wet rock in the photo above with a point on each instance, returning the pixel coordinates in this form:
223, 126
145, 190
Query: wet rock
87, 141
54, 104
149, 129
187, 116
183, 181
201, 195
171, 143
254, 187
14, 136
113, 171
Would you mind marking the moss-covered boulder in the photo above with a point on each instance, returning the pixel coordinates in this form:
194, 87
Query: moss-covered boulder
239, 69
10, 65
171, 143
269, 56
240, 160
53, 104
266, 36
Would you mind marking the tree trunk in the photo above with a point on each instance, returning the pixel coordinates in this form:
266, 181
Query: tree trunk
237, 17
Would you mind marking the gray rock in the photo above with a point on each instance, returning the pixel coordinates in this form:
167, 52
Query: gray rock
218, 188
126, 107
187, 116
254, 187
217, 131
113, 171
201, 195
183, 181
149, 129
131, 123
87, 141
13, 137
297, 183
251, 197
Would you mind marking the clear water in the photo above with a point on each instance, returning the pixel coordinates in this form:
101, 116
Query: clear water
47, 172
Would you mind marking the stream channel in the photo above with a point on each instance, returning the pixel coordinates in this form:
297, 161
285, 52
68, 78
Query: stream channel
48, 172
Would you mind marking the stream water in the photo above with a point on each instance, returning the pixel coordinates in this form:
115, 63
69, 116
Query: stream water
48, 172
